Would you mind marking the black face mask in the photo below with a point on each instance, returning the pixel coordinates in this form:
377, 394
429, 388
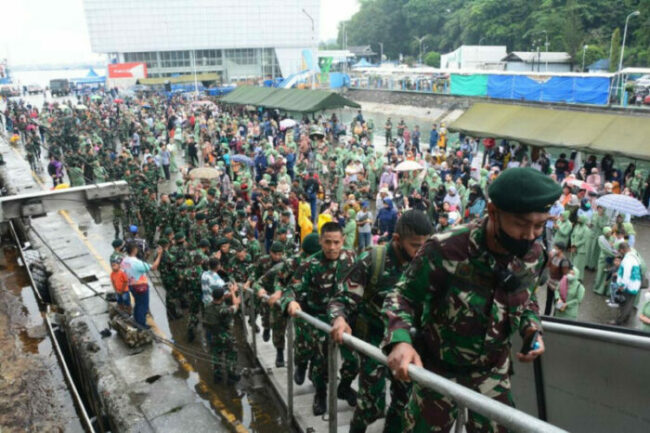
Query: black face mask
517, 247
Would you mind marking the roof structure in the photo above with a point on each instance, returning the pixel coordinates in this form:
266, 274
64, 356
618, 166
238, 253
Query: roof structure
362, 50
292, 100
594, 132
209, 76
534, 56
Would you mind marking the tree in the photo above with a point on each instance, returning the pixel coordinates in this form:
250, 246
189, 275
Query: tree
593, 54
432, 58
573, 31
616, 50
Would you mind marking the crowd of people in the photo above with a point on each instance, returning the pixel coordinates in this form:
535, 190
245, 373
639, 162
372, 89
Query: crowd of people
240, 213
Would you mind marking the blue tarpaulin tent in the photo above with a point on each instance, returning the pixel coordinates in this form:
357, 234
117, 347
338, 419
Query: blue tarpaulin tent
90, 78
363, 63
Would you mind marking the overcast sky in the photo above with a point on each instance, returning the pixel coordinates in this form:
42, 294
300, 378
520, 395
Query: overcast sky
54, 31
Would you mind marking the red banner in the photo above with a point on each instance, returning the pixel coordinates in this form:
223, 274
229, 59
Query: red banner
127, 70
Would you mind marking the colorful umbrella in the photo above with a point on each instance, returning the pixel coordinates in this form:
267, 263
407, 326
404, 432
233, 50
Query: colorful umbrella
579, 184
622, 204
287, 123
243, 159
118, 100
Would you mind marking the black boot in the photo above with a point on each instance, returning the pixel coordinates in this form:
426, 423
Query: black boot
279, 358
320, 402
266, 336
299, 374
345, 392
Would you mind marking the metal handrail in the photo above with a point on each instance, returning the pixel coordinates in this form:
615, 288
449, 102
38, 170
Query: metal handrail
508, 416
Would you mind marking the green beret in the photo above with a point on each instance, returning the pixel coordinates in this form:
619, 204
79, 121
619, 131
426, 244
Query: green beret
523, 190
282, 230
310, 243
200, 216
227, 230
190, 208
163, 241
168, 231
212, 191
117, 243
213, 223
179, 236
182, 207
277, 247
204, 243
222, 241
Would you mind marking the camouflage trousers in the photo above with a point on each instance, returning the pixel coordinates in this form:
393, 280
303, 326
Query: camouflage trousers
302, 350
223, 352
371, 400
429, 411
194, 310
172, 294
272, 318
317, 341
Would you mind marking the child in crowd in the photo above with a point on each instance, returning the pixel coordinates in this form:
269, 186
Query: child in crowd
121, 286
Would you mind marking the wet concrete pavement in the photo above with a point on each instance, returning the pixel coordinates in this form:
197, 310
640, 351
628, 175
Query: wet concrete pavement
33, 394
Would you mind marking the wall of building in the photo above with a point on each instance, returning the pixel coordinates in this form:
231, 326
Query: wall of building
166, 31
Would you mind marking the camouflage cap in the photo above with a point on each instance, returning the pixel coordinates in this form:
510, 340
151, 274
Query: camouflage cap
523, 190
163, 241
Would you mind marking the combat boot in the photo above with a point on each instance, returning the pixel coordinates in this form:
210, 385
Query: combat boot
266, 336
345, 392
299, 374
279, 358
320, 402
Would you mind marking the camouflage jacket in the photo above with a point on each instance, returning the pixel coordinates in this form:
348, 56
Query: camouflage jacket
238, 270
318, 283
264, 273
452, 294
352, 301
218, 318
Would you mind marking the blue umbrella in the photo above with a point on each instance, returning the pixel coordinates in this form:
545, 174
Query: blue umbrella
622, 204
243, 159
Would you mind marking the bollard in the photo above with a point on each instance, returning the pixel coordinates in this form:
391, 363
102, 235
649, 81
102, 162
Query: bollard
332, 403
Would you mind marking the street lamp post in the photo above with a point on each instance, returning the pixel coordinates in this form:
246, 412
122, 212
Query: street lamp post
584, 51
480, 40
420, 40
620, 61
312, 42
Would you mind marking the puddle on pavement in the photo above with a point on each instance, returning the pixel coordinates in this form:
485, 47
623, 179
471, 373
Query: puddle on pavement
256, 408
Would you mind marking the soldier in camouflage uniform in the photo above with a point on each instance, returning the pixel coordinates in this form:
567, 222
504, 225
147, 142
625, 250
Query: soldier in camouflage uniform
253, 246
169, 277
465, 293
218, 320
119, 218
199, 230
322, 273
281, 237
181, 254
229, 234
291, 273
264, 284
192, 277
359, 301
118, 251
150, 218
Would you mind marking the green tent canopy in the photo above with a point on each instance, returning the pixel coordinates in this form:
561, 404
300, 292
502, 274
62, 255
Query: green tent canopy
293, 100
618, 134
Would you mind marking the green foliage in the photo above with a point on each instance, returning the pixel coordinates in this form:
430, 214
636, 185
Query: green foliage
615, 49
521, 25
432, 58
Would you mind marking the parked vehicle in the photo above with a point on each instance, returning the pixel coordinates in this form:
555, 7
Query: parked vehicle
60, 87
34, 89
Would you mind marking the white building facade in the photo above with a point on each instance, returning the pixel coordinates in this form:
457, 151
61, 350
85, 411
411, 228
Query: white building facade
237, 39
474, 57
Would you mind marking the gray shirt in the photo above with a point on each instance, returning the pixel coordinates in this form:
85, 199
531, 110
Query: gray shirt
361, 216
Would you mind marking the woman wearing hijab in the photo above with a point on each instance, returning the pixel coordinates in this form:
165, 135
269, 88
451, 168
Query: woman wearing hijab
386, 218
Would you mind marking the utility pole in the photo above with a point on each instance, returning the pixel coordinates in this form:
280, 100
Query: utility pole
546, 45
